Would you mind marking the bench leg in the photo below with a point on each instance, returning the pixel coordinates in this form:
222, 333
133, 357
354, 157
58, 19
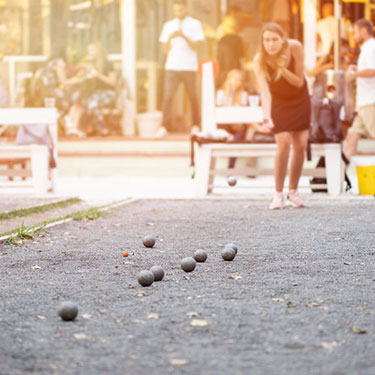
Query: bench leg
39, 168
334, 169
211, 178
202, 170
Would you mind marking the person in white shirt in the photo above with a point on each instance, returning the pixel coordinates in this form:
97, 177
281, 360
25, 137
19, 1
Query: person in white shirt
180, 39
364, 73
326, 29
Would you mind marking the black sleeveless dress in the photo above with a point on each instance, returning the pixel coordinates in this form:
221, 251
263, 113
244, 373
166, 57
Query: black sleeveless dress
290, 107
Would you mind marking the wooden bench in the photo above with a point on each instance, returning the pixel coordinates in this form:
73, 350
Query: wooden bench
42, 177
206, 154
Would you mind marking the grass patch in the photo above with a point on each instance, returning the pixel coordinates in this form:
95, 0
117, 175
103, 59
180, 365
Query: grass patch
24, 232
90, 214
27, 232
38, 209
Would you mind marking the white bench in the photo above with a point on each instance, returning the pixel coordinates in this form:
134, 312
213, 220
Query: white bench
206, 154
42, 178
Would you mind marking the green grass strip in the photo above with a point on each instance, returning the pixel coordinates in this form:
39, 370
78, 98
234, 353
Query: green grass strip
38, 209
92, 213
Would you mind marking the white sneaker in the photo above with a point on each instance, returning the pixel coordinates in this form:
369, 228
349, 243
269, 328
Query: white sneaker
162, 132
277, 202
294, 200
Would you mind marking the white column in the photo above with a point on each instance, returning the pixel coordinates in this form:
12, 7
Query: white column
128, 48
338, 13
208, 98
309, 33
39, 168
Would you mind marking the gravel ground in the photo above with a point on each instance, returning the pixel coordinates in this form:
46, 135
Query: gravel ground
299, 298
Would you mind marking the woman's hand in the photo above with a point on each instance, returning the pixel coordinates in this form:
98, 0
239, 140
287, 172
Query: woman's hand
281, 61
268, 125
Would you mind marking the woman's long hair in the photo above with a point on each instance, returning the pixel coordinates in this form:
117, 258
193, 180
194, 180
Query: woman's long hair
236, 100
101, 56
275, 28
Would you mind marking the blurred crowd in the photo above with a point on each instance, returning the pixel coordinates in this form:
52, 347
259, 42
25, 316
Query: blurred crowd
88, 94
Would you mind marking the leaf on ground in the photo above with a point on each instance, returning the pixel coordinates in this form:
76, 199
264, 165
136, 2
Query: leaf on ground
36, 267
359, 331
313, 304
295, 345
277, 300
235, 277
199, 322
86, 316
153, 315
80, 336
329, 345
178, 362
289, 304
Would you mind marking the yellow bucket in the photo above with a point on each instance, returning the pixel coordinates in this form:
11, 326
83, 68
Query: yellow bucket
366, 179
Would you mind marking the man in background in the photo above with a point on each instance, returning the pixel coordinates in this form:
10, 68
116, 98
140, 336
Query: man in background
364, 74
180, 40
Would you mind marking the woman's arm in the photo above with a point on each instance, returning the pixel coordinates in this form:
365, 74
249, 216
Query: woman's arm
109, 80
321, 65
296, 79
265, 96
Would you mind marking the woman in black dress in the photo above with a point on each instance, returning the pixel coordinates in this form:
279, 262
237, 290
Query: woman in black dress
286, 107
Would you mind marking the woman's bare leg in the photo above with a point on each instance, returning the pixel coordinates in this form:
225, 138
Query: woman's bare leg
299, 143
283, 141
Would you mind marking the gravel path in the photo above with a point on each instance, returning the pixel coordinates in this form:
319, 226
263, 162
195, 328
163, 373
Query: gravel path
299, 298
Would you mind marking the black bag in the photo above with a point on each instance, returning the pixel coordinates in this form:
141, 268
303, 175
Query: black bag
325, 120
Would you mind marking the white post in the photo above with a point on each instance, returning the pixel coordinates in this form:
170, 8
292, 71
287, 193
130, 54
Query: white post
128, 52
309, 33
129, 43
12, 81
208, 98
334, 168
337, 34
39, 168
